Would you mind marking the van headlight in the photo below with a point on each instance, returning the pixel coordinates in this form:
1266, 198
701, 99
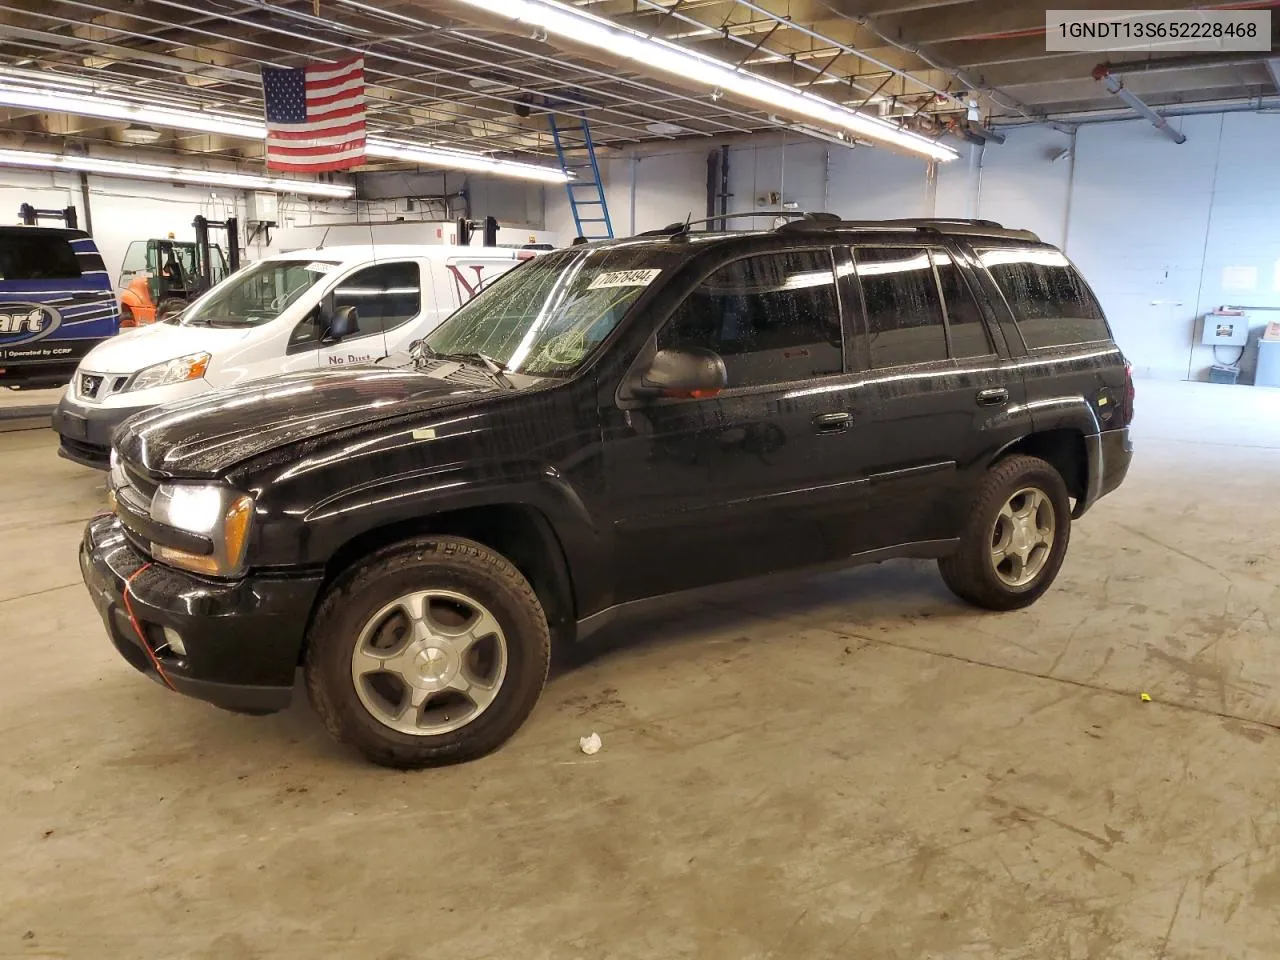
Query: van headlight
178, 370
216, 515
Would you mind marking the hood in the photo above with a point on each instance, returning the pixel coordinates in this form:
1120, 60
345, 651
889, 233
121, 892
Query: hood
208, 435
157, 343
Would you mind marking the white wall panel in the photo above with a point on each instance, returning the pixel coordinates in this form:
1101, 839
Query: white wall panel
1140, 209
872, 184
1023, 185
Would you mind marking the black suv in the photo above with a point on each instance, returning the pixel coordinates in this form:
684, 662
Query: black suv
606, 425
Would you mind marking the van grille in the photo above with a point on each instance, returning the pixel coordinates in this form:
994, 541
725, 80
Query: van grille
98, 386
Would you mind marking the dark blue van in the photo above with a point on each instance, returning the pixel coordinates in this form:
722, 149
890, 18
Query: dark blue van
56, 304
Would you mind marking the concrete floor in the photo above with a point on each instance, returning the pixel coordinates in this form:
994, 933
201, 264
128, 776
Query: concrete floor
855, 766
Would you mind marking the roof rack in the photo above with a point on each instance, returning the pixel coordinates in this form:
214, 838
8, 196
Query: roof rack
798, 216
967, 227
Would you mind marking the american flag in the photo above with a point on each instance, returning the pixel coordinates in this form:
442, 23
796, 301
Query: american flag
315, 116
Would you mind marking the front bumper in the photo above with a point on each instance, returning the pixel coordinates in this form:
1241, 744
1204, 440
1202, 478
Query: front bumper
243, 638
85, 432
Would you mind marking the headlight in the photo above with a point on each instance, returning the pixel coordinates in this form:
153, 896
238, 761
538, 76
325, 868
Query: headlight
215, 514
177, 370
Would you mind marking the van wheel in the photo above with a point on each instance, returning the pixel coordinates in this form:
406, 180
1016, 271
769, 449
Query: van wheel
429, 652
1015, 539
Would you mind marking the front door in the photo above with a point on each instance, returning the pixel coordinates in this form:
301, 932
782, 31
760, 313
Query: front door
387, 298
763, 476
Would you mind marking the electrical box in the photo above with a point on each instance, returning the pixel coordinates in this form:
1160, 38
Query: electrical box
1225, 331
264, 207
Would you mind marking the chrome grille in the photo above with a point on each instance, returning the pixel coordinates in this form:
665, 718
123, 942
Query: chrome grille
143, 487
96, 387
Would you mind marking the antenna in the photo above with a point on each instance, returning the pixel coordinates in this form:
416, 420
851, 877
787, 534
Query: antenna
320, 245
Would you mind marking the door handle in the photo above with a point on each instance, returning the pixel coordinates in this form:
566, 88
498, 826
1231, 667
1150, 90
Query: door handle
993, 397
832, 422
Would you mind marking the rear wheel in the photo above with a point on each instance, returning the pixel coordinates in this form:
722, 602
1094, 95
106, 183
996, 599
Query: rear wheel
432, 651
1015, 539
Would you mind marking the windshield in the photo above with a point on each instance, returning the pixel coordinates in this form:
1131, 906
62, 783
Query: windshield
257, 294
545, 317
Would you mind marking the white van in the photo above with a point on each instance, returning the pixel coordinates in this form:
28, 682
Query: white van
309, 308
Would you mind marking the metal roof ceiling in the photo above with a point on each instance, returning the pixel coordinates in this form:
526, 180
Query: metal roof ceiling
440, 73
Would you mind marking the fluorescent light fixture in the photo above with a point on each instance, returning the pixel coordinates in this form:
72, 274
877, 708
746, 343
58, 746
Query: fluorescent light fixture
457, 160
107, 108
146, 171
580, 27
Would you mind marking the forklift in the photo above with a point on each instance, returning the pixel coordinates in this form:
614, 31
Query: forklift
160, 277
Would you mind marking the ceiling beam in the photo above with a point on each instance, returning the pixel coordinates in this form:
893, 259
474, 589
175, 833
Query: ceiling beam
991, 19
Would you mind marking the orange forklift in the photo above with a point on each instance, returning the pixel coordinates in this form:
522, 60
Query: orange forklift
160, 277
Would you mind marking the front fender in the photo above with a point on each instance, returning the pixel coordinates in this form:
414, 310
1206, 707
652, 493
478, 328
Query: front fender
289, 535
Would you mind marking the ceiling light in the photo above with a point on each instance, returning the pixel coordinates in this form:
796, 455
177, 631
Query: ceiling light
140, 133
663, 129
146, 171
107, 108
484, 83
457, 160
658, 54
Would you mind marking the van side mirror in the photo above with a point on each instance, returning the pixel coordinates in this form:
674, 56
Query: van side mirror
690, 373
343, 323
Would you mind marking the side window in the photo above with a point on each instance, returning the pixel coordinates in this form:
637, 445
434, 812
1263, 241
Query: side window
384, 295
135, 258
1051, 304
307, 331
904, 313
969, 334
774, 318
36, 256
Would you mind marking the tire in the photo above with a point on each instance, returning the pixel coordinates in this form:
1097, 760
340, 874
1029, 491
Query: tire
461, 578
972, 572
167, 308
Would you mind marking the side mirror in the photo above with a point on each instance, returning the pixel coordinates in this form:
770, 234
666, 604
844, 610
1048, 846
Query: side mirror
692, 372
343, 323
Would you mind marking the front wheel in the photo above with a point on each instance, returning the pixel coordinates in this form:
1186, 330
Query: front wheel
429, 652
1015, 539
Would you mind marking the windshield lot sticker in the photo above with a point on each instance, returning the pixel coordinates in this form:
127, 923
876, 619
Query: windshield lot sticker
624, 278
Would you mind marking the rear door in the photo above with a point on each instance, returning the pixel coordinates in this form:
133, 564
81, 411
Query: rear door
1053, 316
943, 386
765, 475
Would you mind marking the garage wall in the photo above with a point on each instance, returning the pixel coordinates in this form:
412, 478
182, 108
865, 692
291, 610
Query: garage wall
1163, 232
125, 210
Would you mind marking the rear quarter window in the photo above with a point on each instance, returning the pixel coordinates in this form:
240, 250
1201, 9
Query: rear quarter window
37, 256
1050, 302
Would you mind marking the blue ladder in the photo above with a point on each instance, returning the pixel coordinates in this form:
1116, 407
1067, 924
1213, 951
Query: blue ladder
586, 192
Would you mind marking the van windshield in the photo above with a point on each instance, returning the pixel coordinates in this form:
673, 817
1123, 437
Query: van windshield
255, 295
546, 317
